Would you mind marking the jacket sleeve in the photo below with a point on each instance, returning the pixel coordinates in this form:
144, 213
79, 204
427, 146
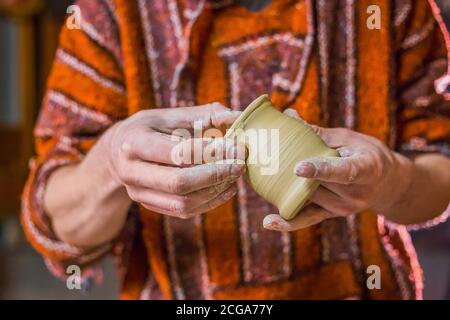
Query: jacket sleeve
423, 115
442, 14
85, 95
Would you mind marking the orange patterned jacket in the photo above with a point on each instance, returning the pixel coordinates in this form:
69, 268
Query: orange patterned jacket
317, 56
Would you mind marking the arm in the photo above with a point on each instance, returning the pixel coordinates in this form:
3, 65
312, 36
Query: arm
428, 194
81, 199
370, 176
410, 187
82, 181
70, 123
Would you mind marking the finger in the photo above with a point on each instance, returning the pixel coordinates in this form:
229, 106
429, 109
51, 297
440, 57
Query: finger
225, 151
294, 114
213, 115
214, 203
342, 137
180, 180
333, 169
177, 204
310, 216
153, 147
218, 201
334, 138
223, 118
332, 202
161, 148
343, 191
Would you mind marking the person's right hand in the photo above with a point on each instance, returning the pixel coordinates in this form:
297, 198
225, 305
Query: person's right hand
146, 159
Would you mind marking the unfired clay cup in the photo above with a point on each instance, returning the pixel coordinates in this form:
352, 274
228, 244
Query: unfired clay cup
257, 128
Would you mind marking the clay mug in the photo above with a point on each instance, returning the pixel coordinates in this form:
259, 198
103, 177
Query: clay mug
275, 144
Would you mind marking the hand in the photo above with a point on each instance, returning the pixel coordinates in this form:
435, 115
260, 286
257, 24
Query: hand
155, 168
367, 176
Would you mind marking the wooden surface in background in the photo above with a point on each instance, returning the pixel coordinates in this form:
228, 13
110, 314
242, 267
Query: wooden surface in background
38, 39
12, 171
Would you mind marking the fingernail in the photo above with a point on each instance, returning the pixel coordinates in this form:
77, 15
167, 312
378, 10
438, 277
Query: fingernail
305, 169
269, 222
273, 223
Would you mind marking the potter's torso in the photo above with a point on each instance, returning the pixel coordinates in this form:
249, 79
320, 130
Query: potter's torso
226, 253
317, 56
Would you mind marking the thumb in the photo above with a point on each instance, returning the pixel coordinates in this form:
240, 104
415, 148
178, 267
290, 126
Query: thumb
309, 216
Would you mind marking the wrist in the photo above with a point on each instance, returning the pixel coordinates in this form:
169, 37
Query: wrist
99, 162
405, 177
401, 185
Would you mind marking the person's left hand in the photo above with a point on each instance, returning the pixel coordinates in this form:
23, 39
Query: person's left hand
367, 176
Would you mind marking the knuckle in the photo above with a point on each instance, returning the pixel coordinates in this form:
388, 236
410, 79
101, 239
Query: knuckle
177, 207
185, 205
133, 194
130, 179
221, 172
177, 184
374, 164
126, 148
354, 172
185, 215
378, 171
326, 169
378, 166
217, 107
125, 178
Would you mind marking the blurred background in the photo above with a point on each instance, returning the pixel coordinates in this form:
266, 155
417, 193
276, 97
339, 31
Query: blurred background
28, 39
